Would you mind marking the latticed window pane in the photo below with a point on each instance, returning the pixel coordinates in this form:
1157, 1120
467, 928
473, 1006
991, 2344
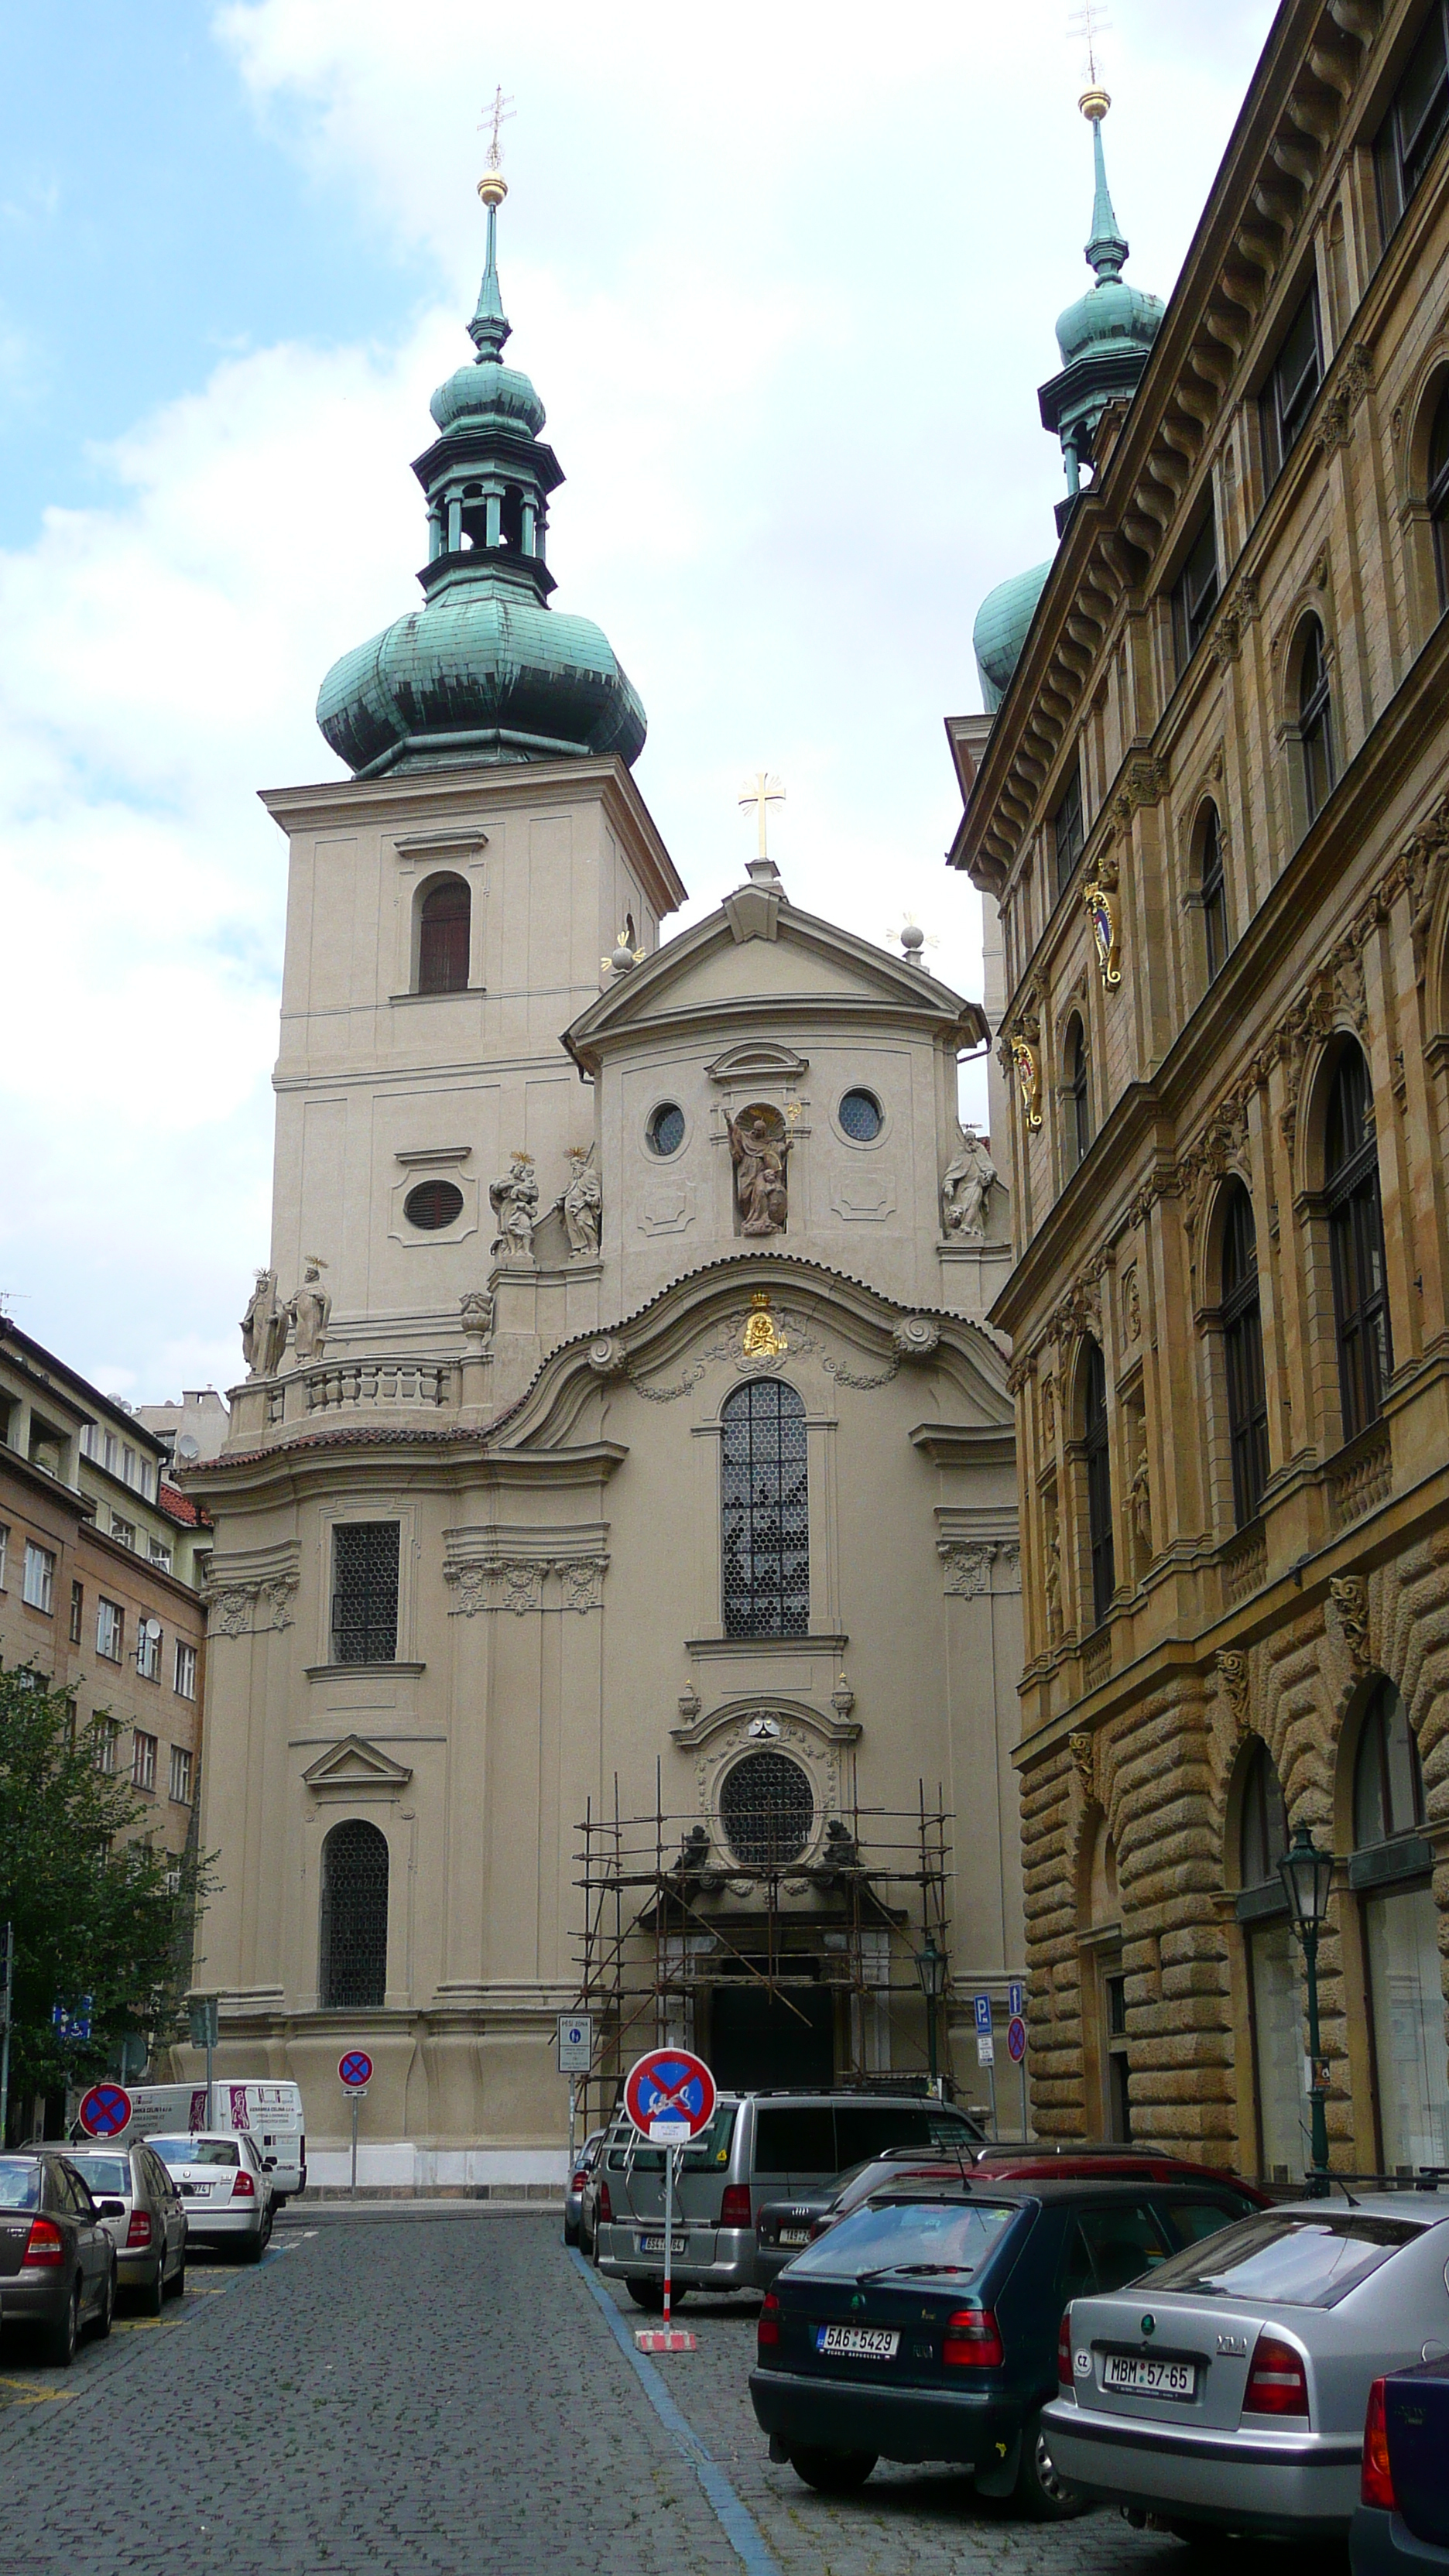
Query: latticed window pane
765, 1518
767, 1809
364, 1592
354, 1919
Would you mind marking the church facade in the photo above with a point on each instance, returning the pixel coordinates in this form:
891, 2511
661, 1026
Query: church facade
615, 1596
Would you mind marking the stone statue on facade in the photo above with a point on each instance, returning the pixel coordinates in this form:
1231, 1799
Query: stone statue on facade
264, 1327
970, 1179
514, 1201
759, 1161
583, 1201
310, 1311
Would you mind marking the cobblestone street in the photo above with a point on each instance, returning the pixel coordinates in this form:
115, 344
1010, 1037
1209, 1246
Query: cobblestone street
443, 2394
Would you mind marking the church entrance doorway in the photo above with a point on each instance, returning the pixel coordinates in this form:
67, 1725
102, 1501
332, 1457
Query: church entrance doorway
757, 2039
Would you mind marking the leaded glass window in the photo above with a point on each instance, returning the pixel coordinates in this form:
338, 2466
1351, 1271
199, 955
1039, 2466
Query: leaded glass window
364, 1592
765, 1522
354, 1919
767, 1809
1356, 1234
1243, 1355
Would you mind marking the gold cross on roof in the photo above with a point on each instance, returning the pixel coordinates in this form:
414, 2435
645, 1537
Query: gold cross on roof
762, 791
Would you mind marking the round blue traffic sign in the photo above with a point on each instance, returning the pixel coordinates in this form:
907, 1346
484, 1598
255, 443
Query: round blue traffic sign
355, 2069
1016, 2039
106, 2111
670, 2087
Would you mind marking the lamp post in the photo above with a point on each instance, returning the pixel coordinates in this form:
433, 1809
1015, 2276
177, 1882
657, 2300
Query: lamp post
931, 1968
1307, 1875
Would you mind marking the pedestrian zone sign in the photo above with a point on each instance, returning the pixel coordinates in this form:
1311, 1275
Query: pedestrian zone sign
670, 2096
106, 2111
575, 2043
354, 2068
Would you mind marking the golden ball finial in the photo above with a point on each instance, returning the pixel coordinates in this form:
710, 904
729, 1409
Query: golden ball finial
492, 187
1094, 104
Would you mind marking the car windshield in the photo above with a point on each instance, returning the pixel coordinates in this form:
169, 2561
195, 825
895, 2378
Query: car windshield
877, 2174
19, 2184
706, 2154
951, 2237
195, 2151
106, 2175
1304, 2260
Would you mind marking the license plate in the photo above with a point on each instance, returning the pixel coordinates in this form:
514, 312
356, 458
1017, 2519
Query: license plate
655, 2244
196, 2190
1152, 2378
794, 2236
858, 2343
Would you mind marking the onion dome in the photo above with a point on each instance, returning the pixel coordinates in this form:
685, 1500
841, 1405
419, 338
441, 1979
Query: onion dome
485, 670
1106, 336
1003, 621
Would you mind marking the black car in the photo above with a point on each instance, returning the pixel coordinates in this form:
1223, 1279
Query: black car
1402, 2525
57, 2261
925, 2325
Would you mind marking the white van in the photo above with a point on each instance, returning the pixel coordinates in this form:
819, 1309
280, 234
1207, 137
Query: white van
270, 2114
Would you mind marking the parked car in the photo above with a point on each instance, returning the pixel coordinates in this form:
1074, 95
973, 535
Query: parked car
1401, 2527
758, 2146
267, 2109
225, 2189
925, 2325
583, 2165
1228, 2393
57, 2262
144, 2214
782, 2227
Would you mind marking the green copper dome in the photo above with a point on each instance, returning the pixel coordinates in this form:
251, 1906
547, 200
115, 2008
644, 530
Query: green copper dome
485, 670
1003, 621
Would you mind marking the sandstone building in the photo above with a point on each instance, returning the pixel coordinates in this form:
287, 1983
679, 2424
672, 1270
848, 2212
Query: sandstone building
1210, 806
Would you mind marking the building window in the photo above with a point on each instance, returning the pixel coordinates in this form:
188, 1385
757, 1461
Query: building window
184, 1683
4, 1551
364, 1592
1068, 831
1275, 2003
148, 1649
1356, 1239
77, 1611
1114, 2026
123, 1532
433, 1204
111, 1450
1243, 1358
1195, 595
767, 1809
110, 1629
665, 1132
1213, 892
38, 1586
107, 1732
1400, 1920
353, 1974
1079, 1095
143, 1760
1099, 1483
1315, 722
1287, 397
181, 1775
860, 1117
764, 1513
161, 1554
1388, 1784
1437, 496
443, 929
1414, 127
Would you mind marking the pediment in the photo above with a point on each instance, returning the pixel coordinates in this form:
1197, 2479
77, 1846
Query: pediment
758, 1060
354, 1768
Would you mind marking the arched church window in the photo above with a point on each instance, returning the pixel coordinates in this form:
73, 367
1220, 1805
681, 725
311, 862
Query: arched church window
1356, 1237
1243, 1357
1099, 1482
353, 1975
1263, 1823
443, 929
1437, 495
764, 1512
767, 1809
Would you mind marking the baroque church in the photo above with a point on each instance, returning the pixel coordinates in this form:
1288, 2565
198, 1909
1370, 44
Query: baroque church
615, 1601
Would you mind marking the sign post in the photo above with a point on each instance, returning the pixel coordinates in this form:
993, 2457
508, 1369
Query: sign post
1016, 2008
670, 2098
204, 2017
575, 2057
986, 2052
354, 2073
105, 2111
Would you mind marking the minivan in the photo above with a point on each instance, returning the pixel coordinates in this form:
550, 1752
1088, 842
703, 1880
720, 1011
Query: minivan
758, 2147
267, 2110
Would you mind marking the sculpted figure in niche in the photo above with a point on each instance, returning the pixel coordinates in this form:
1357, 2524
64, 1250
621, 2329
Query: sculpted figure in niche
583, 1201
514, 1201
310, 1312
264, 1327
970, 1179
758, 1151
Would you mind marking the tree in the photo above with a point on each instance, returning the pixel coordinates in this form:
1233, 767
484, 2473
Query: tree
96, 1913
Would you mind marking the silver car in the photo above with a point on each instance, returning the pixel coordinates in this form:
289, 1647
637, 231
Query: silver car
1226, 2389
225, 2189
144, 2216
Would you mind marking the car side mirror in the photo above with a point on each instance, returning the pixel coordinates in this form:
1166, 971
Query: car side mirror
110, 2208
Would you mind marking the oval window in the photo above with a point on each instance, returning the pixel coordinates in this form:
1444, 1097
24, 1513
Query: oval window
860, 1116
767, 1808
433, 1204
665, 1131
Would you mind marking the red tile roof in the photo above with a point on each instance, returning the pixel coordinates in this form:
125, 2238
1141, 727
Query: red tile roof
180, 1507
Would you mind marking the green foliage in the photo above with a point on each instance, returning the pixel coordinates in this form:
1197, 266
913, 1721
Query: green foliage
94, 1911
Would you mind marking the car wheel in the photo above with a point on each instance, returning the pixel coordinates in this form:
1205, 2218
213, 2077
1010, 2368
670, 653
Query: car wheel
253, 2247
571, 2231
153, 2297
833, 2472
176, 2286
60, 2339
1041, 2491
107, 2307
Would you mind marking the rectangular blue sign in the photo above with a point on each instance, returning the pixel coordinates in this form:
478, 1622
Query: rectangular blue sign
1016, 2001
983, 2014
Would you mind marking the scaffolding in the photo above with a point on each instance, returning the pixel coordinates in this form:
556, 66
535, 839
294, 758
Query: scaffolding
669, 1919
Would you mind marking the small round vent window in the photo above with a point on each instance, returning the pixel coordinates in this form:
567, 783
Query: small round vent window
665, 1131
767, 1809
860, 1116
433, 1204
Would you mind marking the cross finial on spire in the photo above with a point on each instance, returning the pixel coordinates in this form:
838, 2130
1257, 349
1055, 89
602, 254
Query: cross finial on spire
498, 114
489, 326
1090, 23
762, 791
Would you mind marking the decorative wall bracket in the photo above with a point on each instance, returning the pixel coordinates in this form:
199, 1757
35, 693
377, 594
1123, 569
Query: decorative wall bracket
1028, 1073
1099, 902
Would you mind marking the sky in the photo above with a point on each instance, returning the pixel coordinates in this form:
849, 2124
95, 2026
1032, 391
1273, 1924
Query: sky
785, 277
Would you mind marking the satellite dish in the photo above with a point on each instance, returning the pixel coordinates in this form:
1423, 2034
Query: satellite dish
188, 1446
151, 1627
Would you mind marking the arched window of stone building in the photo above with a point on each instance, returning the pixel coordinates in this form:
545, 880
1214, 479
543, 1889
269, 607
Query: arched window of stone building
1098, 1480
1275, 2003
353, 1974
1243, 1357
1104, 1983
1078, 1102
1437, 495
1315, 720
764, 1512
444, 920
1390, 1872
1212, 890
1356, 1238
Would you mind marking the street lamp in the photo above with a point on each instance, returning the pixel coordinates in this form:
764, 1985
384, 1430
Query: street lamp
931, 1967
1307, 1875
